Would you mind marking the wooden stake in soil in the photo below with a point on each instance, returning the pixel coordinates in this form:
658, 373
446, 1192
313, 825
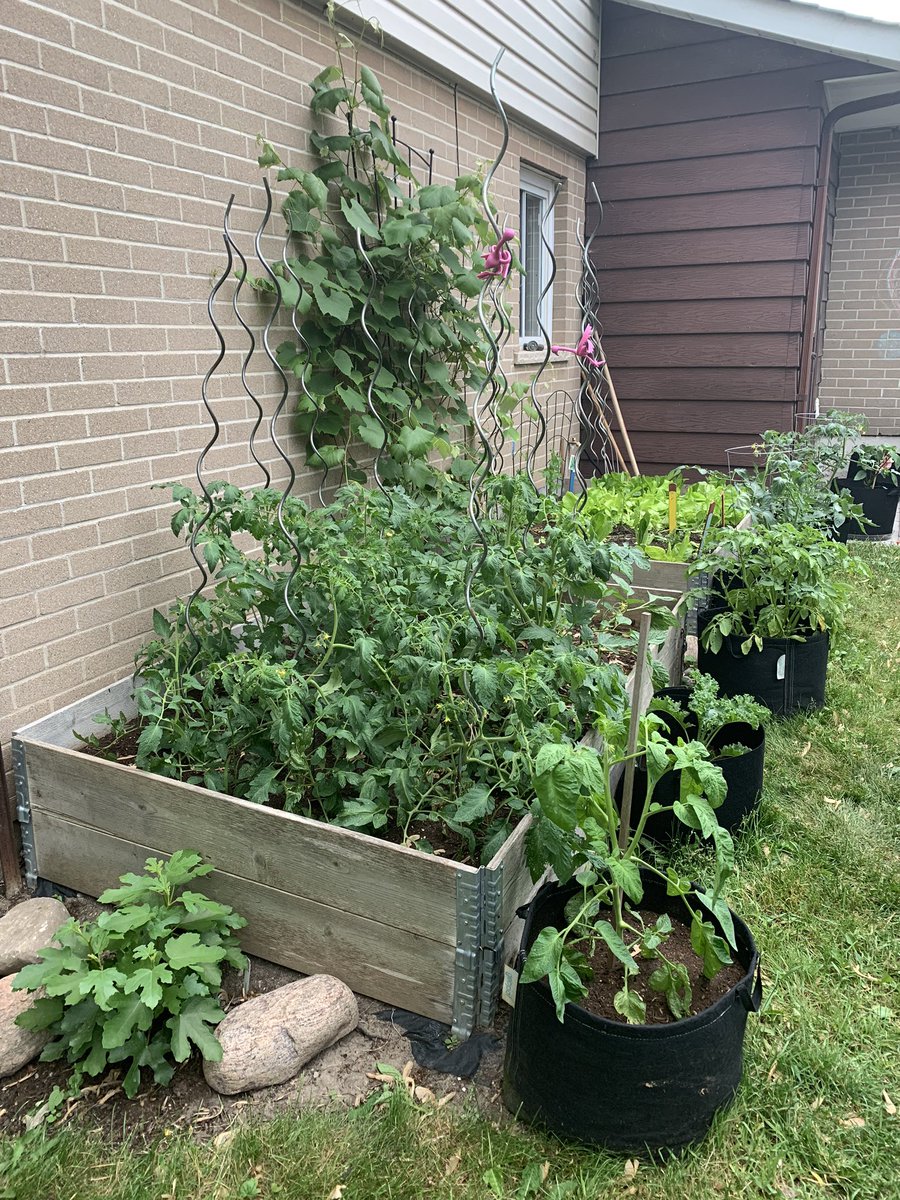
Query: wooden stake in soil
614, 400
640, 668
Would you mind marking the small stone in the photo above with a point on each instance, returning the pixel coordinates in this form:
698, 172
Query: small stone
17, 1046
27, 929
268, 1039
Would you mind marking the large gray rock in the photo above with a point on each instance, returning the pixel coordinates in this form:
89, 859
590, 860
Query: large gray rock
268, 1039
17, 1046
26, 930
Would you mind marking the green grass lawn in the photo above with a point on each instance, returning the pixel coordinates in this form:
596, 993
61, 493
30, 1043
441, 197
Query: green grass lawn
816, 1116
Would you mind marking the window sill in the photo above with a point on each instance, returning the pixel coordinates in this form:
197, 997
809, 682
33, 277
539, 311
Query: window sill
528, 358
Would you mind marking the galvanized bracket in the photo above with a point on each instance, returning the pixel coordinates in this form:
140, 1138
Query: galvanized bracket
491, 943
23, 814
469, 886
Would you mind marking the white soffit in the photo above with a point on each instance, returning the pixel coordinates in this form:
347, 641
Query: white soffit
859, 87
862, 38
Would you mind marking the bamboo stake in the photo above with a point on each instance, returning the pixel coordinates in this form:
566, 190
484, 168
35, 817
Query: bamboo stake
614, 399
640, 668
609, 433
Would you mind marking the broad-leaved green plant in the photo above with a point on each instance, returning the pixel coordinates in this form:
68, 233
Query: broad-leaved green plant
139, 985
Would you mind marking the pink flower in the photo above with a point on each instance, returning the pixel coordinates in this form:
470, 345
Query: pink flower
498, 259
585, 349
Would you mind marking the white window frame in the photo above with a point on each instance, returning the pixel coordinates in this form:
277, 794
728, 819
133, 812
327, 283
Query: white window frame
535, 183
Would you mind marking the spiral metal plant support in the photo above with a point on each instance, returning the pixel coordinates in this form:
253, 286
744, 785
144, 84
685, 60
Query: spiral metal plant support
279, 408
488, 387
379, 359
245, 361
545, 333
204, 393
595, 415
304, 346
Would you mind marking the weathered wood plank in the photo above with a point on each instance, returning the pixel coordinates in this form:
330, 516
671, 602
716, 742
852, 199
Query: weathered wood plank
347, 870
393, 965
56, 729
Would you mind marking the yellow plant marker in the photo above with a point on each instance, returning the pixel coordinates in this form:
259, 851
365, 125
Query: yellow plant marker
673, 507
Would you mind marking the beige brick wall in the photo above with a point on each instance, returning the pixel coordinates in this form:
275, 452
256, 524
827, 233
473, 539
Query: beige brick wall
123, 129
861, 348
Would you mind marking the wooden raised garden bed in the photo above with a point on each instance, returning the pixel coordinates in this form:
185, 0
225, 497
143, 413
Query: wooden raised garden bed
415, 930
671, 580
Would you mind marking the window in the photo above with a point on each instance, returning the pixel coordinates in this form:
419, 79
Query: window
535, 197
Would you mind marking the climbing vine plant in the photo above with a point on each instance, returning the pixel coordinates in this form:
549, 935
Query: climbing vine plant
380, 274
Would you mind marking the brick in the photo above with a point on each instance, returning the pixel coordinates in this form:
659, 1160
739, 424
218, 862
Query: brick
52, 153
36, 431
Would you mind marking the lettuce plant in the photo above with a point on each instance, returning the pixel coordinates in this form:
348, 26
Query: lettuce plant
640, 504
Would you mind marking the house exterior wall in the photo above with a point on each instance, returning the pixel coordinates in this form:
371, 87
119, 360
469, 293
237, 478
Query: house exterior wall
861, 348
550, 61
124, 127
706, 168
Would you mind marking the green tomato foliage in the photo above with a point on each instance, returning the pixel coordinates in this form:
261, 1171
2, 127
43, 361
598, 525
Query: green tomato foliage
577, 830
380, 707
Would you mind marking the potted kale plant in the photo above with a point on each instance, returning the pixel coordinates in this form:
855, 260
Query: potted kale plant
634, 982
731, 728
770, 609
873, 480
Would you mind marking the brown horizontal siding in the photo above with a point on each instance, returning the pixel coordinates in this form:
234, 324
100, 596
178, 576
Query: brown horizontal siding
632, 34
746, 384
734, 56
706, 167
705, 316
705, 350
658, 452
694, 248
717, 210
653, 282
724, 173
700, 101
781, 128
737, 417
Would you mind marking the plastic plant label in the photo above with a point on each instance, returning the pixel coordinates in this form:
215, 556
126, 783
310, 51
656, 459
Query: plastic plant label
780, 667
510, 986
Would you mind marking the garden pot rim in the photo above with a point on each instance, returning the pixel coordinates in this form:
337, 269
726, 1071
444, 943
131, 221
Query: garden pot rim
577, 1015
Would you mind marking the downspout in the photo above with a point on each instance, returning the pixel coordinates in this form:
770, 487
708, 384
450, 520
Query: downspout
806, 387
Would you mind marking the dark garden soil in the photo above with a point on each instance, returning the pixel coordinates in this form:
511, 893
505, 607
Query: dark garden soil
608, 977
338, 1076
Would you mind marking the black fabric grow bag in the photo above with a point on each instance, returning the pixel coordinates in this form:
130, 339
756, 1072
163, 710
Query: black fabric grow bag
879, 505
787, 675
624, 1087
743, 778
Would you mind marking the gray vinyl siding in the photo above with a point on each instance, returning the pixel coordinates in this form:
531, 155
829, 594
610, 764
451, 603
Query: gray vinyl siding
549, 73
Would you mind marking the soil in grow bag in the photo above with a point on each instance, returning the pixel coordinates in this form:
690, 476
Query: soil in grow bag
787, 675
625, 1087
879, 505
